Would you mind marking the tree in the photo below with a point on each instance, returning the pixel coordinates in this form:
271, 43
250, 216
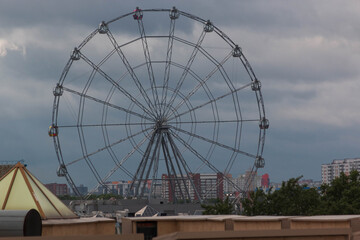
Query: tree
291, 199
257, 203
342, 195
221, 207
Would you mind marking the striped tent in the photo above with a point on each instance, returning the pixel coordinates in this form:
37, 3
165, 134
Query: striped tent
20, 190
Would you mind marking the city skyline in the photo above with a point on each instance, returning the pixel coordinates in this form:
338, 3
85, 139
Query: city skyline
305, 55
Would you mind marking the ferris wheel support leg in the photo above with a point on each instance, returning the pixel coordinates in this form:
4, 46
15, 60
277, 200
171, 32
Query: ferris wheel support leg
182, 178
172, 173
152, 161
156, 167
186, 168
137, 178
203, 159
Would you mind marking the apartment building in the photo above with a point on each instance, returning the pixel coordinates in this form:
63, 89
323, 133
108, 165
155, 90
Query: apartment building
59, 189
332, 170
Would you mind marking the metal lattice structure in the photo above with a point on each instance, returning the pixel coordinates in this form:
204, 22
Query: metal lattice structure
157, 106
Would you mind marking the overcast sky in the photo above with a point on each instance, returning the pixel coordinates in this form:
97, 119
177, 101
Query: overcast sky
305, 53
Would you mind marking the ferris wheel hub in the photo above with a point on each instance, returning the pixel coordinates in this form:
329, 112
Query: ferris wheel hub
161, 124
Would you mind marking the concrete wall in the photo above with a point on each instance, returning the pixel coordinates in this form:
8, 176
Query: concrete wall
319, 227
315, 234
256, 225
71, 227
94, 237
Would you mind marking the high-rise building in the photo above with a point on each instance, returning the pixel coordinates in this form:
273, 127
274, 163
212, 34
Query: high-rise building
207, 185
58, 189
249, 181
83, 190
265, 181
211, 185
331, 171
115, 187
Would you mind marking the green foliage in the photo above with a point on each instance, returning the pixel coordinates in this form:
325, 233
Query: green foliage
69, 197
220, 207
291, 199
257, 203
92, 197
106, 196
341, 196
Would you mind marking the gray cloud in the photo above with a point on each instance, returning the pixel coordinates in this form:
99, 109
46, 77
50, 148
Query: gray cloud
305, 53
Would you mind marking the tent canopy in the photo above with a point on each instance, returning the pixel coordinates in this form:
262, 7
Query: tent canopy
20, 190
146, 211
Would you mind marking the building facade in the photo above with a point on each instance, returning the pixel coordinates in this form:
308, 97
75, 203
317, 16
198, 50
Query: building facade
206, 185
114, 187
83, 190
58, 189
333, 170
265, 181
249, 181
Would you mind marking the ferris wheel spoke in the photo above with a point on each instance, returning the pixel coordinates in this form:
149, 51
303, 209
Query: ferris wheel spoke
104, 148
194, 90
211, 101
122, 90
107, 103
203, 159
104, 125
148, 64
86, 157
193, 74
168, 62
81, 132
206, 89
116, 167
214, 142
186, 70
107, 139
213, 121
131, 70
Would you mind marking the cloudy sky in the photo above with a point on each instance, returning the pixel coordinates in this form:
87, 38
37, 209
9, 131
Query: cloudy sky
305, 53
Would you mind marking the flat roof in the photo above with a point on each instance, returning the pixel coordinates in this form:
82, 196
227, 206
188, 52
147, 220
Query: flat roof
76, 220
326, 218
245, 218
209, 218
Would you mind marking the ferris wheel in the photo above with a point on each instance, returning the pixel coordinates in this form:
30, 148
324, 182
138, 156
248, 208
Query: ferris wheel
156, 98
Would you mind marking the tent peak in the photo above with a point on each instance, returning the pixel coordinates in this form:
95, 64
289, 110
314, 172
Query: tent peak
19, 165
